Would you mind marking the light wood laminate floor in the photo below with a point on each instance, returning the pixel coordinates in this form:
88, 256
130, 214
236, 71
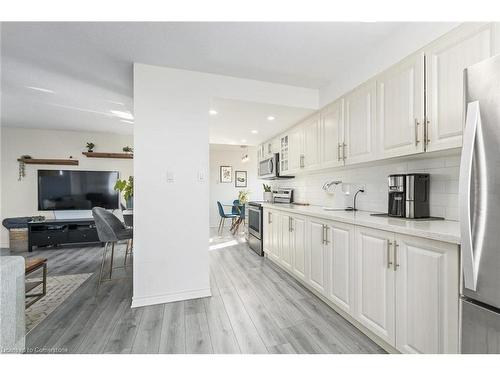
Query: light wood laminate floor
255, 308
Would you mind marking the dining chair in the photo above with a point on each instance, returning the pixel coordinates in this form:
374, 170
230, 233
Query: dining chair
128, 220
224, 216
110, 230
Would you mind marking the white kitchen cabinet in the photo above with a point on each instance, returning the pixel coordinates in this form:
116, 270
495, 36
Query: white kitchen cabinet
296, 149
446, 60
286, 240
426, 295
316, 251
375, 302
299, 246
360, 120
311, 156
272, 234
340, 270
400, 108
284, 153
332, 135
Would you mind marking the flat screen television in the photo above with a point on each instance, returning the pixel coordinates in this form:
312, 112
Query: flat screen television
76, 190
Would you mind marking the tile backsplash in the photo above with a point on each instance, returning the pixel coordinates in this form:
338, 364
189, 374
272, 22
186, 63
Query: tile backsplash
444, 171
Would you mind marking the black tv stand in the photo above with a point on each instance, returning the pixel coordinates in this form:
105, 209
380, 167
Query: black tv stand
60, 232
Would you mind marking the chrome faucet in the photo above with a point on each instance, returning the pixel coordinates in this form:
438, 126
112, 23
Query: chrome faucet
353, 208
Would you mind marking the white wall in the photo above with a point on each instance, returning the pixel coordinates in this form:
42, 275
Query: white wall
444, 171
171, 220
19, 198
227, 192
383, 56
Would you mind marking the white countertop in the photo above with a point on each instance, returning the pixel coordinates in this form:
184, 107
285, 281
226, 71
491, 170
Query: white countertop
440, 230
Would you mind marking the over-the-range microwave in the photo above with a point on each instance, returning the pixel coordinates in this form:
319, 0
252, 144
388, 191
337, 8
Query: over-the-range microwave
269, 169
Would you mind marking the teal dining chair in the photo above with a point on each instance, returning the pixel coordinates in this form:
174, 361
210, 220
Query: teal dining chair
223, 216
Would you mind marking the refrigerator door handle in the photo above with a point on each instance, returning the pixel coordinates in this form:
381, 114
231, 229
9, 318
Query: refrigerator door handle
469, 259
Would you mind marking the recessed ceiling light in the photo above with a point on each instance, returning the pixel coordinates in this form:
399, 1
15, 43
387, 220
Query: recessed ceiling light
255, 131
127, 121
271, 118
212, 112
122, 114
41, 89
243, 141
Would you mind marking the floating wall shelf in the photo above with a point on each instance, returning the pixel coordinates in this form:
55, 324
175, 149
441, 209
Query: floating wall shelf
109, 155
50, 161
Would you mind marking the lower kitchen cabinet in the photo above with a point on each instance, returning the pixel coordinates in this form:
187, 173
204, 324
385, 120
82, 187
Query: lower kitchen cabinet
272, 234
317, 248
299, 246
403, 289
375, 302
340, 269
426, 295
286, 240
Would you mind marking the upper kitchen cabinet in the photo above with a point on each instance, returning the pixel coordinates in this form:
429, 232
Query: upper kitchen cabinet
284, 153
360, 140
446, 60
332, 135
400, 108
311, 156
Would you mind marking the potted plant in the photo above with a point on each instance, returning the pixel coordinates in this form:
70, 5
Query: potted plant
128, 149
268, 194
127, 189
90, 147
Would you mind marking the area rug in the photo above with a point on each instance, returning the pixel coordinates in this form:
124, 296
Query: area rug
59, 288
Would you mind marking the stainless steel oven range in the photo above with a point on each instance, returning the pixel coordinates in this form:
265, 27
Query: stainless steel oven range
255, 227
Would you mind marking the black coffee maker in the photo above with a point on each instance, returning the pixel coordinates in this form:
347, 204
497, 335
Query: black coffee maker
409, 195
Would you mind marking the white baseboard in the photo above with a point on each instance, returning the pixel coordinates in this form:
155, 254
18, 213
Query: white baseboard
172, 297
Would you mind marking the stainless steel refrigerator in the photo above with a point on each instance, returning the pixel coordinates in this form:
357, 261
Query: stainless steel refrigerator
480, 209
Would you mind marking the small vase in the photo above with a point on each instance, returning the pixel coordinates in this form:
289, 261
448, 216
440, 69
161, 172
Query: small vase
130, 203
268, 196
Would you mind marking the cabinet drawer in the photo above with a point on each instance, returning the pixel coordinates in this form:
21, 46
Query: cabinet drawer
84, 235
48, 238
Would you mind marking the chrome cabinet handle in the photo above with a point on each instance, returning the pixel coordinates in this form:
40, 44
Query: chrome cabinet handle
343, 151
290, 226
416, 132
426, 135
396, 264
269, 221
339, 158
326, 235
301, 161
389, 263
323, 235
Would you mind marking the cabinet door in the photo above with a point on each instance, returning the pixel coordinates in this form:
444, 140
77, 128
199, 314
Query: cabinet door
286, 240
400, 108
316, 251
427, 288
284, 154
296, 149
311, 143
267, 232
299, 246
331, 131
360, 120
340, 257
375, 282
446, 60
275, 235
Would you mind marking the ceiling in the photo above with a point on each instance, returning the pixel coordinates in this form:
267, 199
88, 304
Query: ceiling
84, 70
239, 122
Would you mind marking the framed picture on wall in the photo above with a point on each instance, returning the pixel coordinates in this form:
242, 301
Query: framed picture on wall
226, 174
240, 178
